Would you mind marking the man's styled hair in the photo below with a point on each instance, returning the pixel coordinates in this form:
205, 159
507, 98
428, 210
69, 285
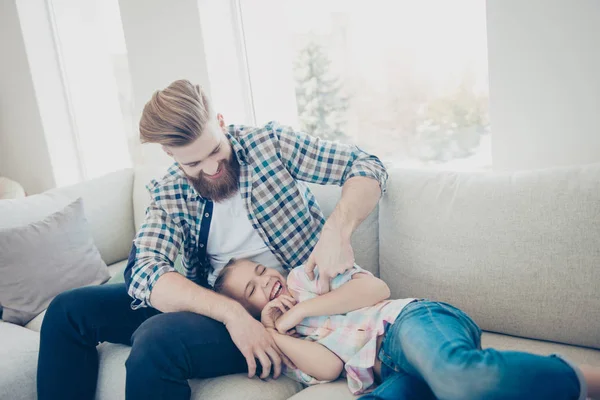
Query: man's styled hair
176, 115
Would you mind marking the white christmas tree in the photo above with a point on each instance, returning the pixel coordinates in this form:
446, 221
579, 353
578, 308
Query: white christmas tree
321, 106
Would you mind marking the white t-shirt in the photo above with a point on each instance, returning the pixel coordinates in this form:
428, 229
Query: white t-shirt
231, 235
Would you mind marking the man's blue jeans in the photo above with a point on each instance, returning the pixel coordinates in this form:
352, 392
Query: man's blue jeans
167, 349
433, 351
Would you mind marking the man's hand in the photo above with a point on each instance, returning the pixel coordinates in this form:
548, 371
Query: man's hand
333, 255
275, 309
254, 342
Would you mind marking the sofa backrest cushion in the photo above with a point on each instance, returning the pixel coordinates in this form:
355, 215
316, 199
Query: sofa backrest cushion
364, 240
108, 208
519, 252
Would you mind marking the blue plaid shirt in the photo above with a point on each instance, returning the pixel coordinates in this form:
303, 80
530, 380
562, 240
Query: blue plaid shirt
274, 160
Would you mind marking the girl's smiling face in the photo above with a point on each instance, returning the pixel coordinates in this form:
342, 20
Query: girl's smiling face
251, 284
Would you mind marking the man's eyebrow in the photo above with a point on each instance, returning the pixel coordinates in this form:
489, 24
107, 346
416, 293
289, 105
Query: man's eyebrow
248, 284
199, 161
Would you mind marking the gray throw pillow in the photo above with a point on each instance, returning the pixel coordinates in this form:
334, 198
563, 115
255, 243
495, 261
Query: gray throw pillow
40, 260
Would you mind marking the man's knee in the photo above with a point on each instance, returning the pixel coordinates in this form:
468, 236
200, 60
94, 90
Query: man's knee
154, 349
182, 345
63, 310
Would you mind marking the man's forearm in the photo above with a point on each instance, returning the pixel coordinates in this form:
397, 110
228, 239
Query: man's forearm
359, 197
173, 292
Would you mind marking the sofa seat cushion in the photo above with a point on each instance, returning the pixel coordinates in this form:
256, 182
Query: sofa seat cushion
116, 271
18, 362
111, 381
36, 323
337, 390
238, 386
579, 355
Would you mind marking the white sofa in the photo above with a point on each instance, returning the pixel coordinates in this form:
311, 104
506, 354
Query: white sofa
519, 252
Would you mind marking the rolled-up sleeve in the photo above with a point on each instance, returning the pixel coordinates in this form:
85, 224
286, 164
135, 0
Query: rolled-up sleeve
302, 377
303, 288
315, 160
153, 254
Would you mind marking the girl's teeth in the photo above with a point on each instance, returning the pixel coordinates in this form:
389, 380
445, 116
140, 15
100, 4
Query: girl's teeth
278, 288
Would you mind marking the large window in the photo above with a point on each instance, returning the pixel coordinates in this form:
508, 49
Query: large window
93, 57
403, 79
406, 80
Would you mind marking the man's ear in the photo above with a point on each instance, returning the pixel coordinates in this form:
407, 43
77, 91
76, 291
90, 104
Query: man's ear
166, 150
221, 121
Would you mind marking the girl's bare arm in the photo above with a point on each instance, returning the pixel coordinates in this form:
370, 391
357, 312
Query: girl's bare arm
362, 291
312, 358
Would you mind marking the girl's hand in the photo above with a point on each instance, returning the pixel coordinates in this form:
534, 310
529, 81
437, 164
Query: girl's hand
275, 309
288, 321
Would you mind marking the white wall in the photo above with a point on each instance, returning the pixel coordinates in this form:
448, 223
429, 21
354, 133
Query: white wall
48, 84
24, 153
164, 43
544, 67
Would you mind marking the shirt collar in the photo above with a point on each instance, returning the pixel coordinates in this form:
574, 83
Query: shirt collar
238, 149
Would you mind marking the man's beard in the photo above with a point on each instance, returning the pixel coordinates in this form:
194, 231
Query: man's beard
222, 187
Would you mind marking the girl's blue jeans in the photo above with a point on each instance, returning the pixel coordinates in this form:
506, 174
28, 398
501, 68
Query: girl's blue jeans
433, 351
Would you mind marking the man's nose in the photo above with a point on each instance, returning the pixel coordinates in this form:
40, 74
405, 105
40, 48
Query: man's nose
211, 167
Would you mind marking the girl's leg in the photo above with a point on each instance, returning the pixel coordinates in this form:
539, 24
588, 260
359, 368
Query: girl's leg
442, 345
400, 386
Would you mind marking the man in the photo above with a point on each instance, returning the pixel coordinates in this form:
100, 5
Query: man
233, 192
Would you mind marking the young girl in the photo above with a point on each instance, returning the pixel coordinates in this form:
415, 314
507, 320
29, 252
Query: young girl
394, 349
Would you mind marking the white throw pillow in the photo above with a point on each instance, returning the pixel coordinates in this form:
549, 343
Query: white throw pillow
42, 259
10, 189
19, 212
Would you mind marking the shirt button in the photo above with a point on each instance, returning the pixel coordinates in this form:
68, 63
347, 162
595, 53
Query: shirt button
206, 215
201, 245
